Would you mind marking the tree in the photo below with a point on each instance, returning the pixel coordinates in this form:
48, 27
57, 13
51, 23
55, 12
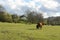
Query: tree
8, 18
2, 9
15, 18
53, 20
34, 17
4, 16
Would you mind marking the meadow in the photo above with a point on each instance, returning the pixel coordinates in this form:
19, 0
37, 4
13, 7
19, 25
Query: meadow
19, 31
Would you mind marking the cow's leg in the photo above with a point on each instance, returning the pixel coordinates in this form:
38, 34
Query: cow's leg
40, 27
37, 27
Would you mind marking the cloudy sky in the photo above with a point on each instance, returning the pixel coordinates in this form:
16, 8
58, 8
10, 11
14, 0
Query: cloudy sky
48, 7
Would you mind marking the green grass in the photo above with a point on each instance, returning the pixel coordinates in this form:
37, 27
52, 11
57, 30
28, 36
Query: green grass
18, 31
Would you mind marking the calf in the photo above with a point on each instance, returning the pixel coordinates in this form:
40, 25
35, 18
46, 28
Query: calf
39, 26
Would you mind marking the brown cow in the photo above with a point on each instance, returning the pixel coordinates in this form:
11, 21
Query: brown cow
39, 25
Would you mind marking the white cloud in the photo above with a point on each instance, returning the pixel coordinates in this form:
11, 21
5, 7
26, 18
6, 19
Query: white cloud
13, 7
20, 2
11, 4
15, 3
2, 2
31, 4
50, 4
45, 15
56, 14
38, 7
36, 0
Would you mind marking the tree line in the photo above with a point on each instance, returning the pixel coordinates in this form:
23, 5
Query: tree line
53, 20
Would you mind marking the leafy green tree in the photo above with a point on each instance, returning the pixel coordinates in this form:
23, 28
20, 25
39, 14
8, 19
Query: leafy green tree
4, 16
15, 18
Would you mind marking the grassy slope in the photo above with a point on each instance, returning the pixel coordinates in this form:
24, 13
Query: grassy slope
11, 31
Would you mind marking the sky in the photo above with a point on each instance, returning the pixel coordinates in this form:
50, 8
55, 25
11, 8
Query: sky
47, 7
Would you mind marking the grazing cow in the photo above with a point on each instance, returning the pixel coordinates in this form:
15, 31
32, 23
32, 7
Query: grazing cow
39, 25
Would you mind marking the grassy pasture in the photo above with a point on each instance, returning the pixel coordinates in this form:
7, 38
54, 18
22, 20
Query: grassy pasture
18, 31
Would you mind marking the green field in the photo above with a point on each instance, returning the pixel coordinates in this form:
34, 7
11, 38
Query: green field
18, 31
